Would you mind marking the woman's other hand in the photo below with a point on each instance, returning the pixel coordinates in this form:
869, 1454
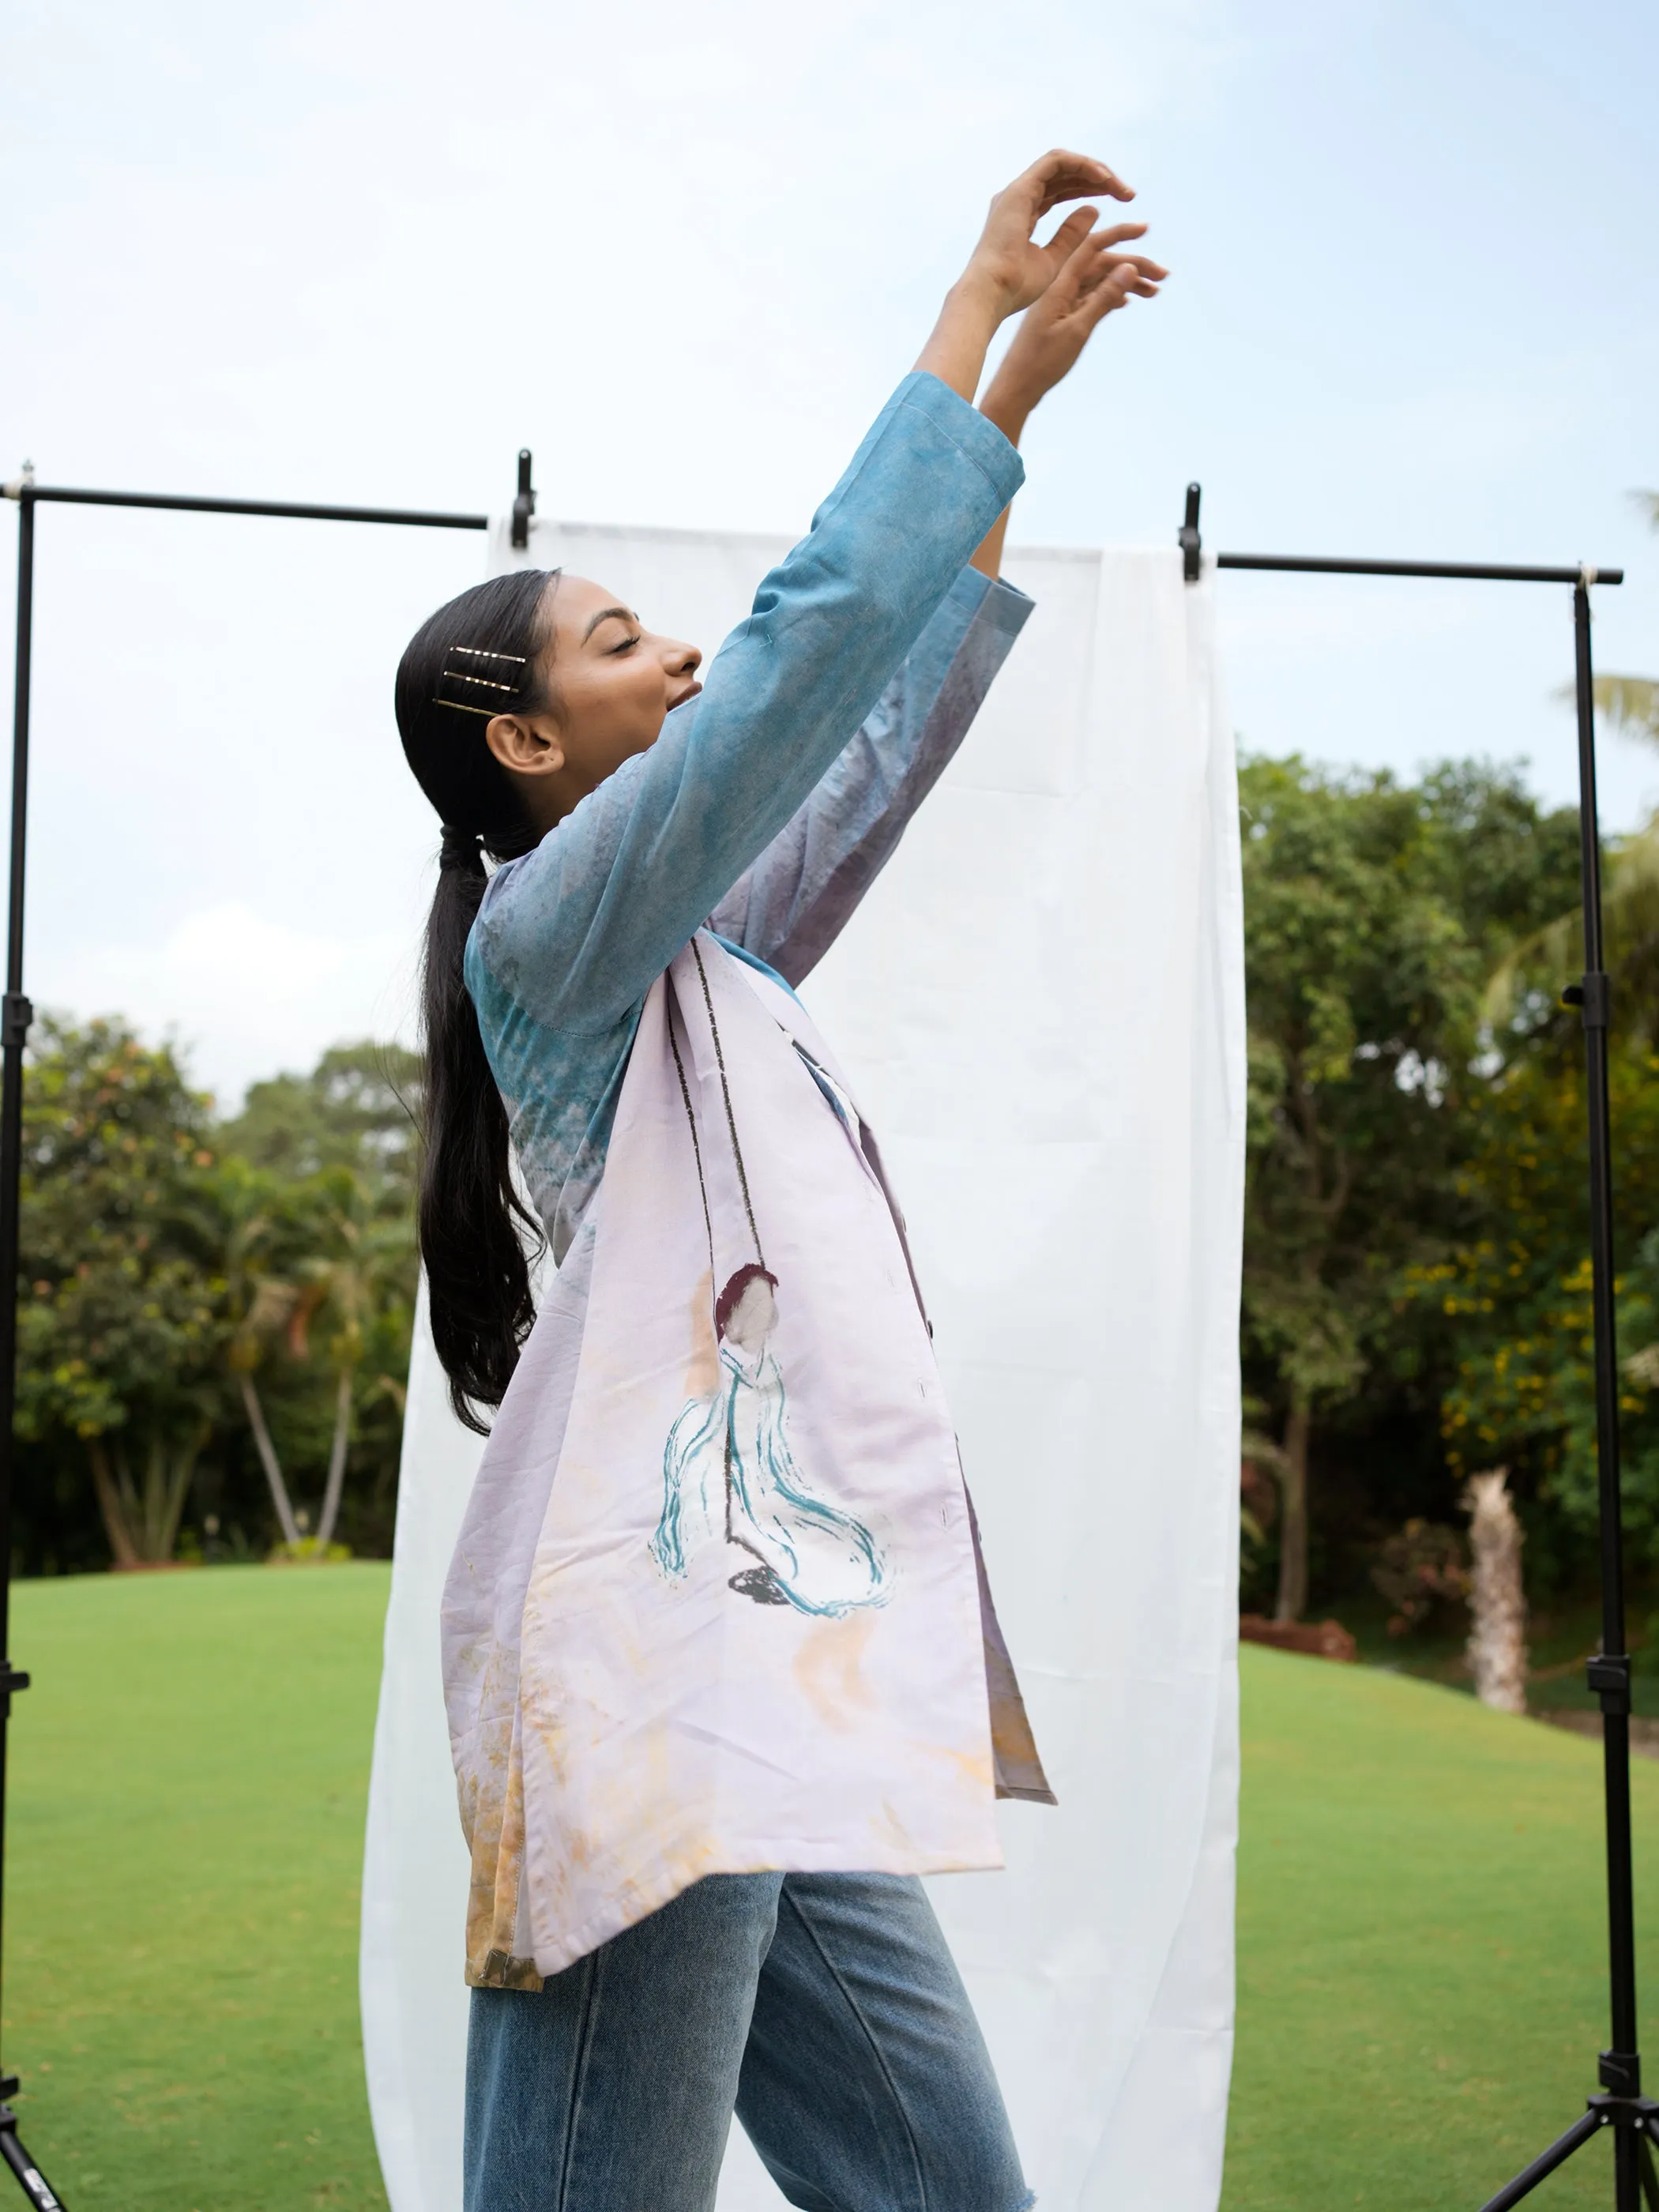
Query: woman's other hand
1095, 281
1007, 270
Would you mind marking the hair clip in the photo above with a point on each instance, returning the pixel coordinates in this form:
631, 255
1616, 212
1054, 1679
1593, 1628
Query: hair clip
480, 682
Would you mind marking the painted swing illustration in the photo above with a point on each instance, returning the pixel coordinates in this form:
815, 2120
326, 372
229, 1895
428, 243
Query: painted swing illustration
729, 1473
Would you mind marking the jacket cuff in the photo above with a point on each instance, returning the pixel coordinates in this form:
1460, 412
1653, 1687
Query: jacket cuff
974, 437
1007, 607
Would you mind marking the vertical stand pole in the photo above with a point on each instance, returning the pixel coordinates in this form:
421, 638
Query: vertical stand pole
1633, 2118
1609, 1671
15, 1014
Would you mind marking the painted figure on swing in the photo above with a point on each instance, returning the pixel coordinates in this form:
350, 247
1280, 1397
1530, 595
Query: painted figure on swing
729, 1476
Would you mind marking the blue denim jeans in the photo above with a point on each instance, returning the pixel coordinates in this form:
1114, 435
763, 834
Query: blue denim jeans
825, 2009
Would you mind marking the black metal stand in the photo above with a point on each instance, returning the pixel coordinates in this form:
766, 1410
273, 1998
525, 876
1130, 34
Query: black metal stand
16, 1014
1621, 2106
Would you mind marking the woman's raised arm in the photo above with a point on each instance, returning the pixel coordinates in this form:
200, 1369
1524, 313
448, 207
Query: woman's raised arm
580, 929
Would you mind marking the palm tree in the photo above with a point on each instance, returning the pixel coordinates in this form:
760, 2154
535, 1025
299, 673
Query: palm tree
263, 1303
348, 1286
141, 1514
1631, 704
1631, 895
270, 1306
317, 1264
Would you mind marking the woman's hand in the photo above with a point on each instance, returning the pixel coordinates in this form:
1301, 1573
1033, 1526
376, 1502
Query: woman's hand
1007, 270
1005, 262
1095, 281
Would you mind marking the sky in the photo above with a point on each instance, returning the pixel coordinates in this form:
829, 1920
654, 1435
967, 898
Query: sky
362, 253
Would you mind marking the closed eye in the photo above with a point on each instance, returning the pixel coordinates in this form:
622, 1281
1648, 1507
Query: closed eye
610, 614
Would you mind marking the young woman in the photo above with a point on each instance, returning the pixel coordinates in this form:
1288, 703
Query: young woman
723, 1674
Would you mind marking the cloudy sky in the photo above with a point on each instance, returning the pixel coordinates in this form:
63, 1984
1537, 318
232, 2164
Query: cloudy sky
357, 251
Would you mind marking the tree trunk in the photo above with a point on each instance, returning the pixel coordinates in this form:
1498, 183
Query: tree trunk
110, 1509
141, 1520
337, 1460
269, 1460
166, 1482
1293, 1521
1497, 1604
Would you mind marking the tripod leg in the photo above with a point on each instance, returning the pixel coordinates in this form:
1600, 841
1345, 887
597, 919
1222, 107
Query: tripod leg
1627, 2171
34, 2183
1644, 2167
1545, 2165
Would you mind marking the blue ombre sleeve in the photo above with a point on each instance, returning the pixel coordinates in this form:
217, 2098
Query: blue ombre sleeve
792, 905
571, 937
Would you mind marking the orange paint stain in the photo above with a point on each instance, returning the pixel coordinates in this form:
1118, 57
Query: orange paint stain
703, 1371
827, 1672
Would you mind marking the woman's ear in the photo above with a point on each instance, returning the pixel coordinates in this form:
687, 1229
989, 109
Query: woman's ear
525, 747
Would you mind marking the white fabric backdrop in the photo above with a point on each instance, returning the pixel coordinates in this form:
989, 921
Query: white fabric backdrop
1040, 1004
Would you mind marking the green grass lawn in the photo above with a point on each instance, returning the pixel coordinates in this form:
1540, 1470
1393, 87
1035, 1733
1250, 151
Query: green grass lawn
1559, 1639
1422, 1940
1421, 1927
185, 1852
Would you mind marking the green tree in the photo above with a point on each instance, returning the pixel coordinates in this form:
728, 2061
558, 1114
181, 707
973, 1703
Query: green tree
1513, 1295
180, 1297
337, 1258
123, 1311
1374, 912
1631, 885
1516, 1293
355, 1109
1631, 702
359, 1287
321, 1276
261, 1244
323, 1244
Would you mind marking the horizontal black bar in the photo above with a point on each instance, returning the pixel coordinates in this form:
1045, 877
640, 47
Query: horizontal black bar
1473, 571
417, 517
422, 519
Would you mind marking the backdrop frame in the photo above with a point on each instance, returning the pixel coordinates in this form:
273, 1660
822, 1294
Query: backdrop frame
16, 1013
1621, 2105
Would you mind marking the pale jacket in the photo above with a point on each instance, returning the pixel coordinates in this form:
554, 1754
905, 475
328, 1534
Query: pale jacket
667, 1510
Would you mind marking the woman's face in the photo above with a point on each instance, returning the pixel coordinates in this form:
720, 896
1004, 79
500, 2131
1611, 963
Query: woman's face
614, 683
753, 1319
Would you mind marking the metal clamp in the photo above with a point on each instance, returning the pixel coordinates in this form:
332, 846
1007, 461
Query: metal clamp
22, 482
1620, 2071
1595, 995
16, 1013
1188, 538
525, 505
10, 1679
1608, 1675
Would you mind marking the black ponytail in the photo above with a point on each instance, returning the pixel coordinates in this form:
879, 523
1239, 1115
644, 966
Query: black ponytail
476, 1235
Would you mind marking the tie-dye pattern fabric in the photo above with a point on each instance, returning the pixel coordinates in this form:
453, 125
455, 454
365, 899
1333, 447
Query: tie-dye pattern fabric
790, 1672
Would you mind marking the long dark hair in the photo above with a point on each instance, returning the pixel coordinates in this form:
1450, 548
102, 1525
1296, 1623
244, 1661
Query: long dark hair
474, 1229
